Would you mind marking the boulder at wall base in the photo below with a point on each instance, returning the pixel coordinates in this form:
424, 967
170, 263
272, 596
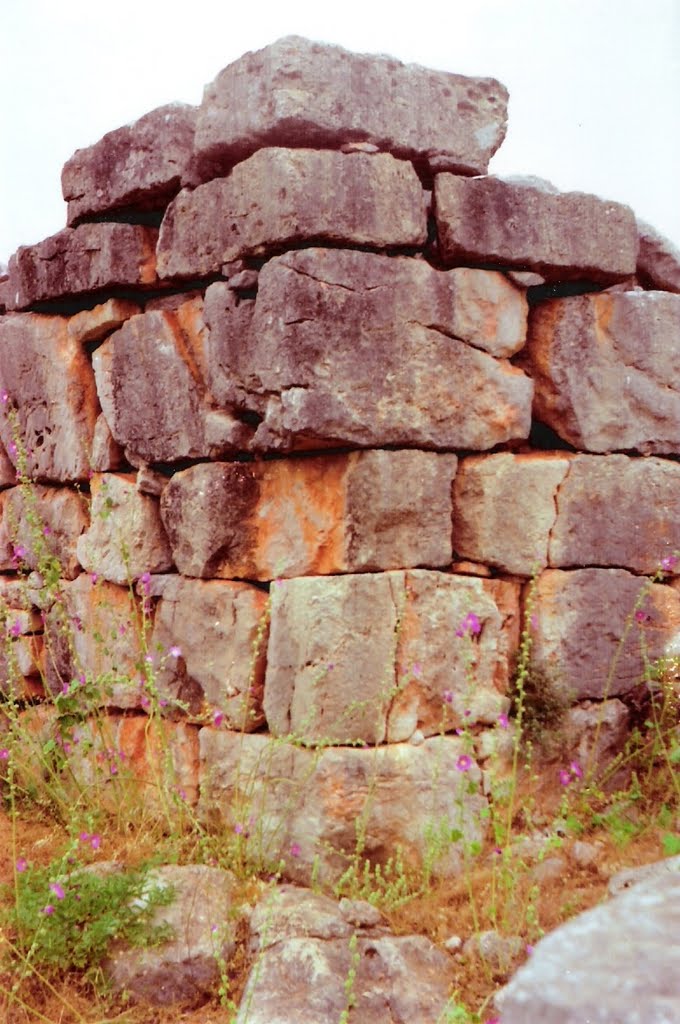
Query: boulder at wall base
366, 354
220, 628
282, 197
587, 643
376, 657
82, 260
560, 236
303, 811
301, 93
139, 166
618, 963
367, 510
606, 368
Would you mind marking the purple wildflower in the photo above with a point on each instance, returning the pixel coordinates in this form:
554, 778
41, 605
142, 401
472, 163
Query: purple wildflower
464, 763
57, 890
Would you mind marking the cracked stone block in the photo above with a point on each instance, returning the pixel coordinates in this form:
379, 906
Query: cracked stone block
40, 522
485, 488
617, 511
658, 264
563, 236
595, 733
140, 166
80, 260
375, 658
150, 378
365, 354
126, 536
606, 368
221, 629
586, 641
47, 381
297, 517
301, 93
299, 808
278, 198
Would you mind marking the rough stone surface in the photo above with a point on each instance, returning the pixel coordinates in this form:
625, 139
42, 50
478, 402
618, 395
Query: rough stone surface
126, 537
297, 517
564, 236
282, 197
150, 378
606, 369
82, 260
184, 969
139, 166
356, 360
302, 806
486, 488
221, 631
582, 646
595, 733
618, 963
659, 870
61, 518
300, 93
48, 380
617, 511
375, 657
658, 264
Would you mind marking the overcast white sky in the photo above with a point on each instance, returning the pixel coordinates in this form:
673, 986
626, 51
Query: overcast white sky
594, 84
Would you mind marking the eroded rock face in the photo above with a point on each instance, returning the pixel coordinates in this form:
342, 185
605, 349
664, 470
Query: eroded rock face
300, 807
658, 263
297, 517
301, 93
140, 166
606, 369
376, 657
584, 644
618, 963
281, 197
361, 357
82, 260
563, 236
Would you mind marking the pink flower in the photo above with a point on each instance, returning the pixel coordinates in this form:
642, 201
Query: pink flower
4, 396
95, 841
21, 864
503, 720
84, 837
238, 828
295, 849
57, 890
470, 624
49, 909
668, 563
19, 551
218, 718
641, 616
464, 763
94, 577
565, 777
447, 696
176, 651
4, 754
576, 770
15, 629
417, 669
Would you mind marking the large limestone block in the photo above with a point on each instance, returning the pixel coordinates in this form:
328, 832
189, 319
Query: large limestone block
150, 378
617, 511
298, 517
658, 263
82, 260
606, 370
39, 524
377, 657
282, 197
361, 356
139, 166
300, 93
587, 641
221, 631
504, 509
47, 379
126, 536
561, 236
618, 963
307, 810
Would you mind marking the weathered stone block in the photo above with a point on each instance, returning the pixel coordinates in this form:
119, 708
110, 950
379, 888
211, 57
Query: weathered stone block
587, 642
504, 509
363, 356
376, 657
93, 325
606, 370
303, 807
82, 260
150, 378
39, 523
301, 93
139, 166
46, 377
126, 537
563, 236
221, 630
617, 511
658, 264
298, 517
281, 197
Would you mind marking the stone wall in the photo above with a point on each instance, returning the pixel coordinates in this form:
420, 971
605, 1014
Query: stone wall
310, 395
